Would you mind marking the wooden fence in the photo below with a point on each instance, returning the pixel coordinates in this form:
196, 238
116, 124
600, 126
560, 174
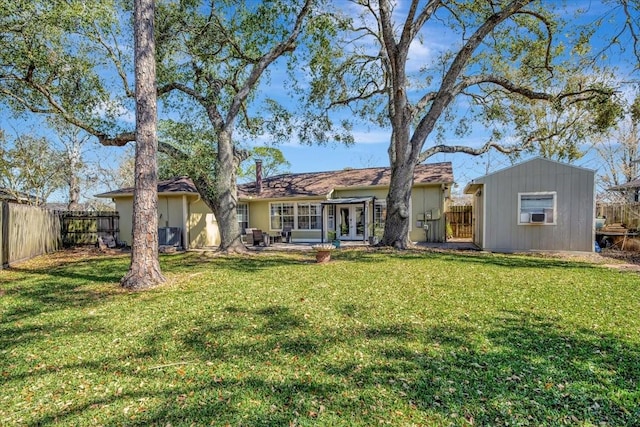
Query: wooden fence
28, 231
84, 227
460, 222
627, 214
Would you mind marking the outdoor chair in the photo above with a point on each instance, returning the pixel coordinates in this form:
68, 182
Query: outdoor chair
286, 233
258, 237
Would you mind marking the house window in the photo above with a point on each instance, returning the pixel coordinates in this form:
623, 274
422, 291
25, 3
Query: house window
282, 215
379, 213
537, 208
309, 217
242, 210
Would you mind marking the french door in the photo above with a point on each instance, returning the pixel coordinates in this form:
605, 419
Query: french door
351, 222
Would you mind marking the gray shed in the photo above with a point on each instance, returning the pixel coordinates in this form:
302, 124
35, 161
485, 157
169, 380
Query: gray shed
537, 205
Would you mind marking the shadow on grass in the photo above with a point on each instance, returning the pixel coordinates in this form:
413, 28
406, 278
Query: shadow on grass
521, 369
499, 260
57, 288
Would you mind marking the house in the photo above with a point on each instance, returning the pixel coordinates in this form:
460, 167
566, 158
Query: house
8, 195
183, 218
349, 204
630, 191
537, 205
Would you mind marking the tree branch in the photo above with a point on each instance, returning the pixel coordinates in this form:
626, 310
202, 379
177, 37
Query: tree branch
450, 149
445, 93
264, 61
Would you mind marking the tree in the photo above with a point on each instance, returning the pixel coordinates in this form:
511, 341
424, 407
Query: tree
211, 58
273, 163
619, 154
144, 270
73, 141
29, 165
499, 59
214, 61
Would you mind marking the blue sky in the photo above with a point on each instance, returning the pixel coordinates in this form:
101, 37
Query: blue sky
372, 143
370, 148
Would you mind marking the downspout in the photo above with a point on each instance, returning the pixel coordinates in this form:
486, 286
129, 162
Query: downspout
322, 223
443, 214
365, 212
185, 222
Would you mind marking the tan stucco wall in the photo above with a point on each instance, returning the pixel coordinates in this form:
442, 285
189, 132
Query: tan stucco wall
203, 227
426, 200
259, 211
124, 206
423, 199
259, 215
429, 198
170, 211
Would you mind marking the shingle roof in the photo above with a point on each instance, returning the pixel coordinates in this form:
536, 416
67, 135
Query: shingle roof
314, 184
181, 184
627, 186
15, 196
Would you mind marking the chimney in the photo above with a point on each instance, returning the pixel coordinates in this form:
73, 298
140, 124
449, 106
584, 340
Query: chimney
258, 176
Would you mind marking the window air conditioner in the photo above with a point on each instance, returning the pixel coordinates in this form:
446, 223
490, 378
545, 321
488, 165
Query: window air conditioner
538, 218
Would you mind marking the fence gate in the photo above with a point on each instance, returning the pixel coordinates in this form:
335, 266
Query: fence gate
460, 222
84, 227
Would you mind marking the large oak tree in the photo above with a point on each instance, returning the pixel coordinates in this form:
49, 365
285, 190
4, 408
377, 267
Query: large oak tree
71, 60
491, 63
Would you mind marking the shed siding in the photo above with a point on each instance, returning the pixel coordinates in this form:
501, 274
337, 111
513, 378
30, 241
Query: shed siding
574, 188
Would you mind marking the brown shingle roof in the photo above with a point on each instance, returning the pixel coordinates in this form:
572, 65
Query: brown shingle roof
315, 184
181, 184
312, 184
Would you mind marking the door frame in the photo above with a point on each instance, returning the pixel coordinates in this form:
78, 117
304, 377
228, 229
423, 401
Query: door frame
353, 225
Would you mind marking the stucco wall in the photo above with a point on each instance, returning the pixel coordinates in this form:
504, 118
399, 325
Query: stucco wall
170, 211
259, 218
574, 188
425, 201
124, 206
203, 227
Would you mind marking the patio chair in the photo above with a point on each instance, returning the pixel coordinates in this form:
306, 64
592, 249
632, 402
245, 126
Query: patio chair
286, 233
258, 237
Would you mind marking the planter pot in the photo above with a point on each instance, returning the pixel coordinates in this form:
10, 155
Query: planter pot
373, 240
323, 256
336, 243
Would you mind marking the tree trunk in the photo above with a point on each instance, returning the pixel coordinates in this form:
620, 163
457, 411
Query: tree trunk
144, 271
397, 223
226, 200
75, 163
74, 192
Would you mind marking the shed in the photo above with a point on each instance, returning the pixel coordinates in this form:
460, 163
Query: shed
537, 205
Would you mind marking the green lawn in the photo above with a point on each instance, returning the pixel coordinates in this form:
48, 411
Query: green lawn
371, 338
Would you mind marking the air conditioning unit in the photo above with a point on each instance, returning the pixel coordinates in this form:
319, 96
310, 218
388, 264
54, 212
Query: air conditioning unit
169, 236
538, 218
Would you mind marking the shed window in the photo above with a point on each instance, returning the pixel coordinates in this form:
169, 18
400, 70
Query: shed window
537, 208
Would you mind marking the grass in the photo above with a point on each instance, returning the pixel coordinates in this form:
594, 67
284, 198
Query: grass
371, 338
